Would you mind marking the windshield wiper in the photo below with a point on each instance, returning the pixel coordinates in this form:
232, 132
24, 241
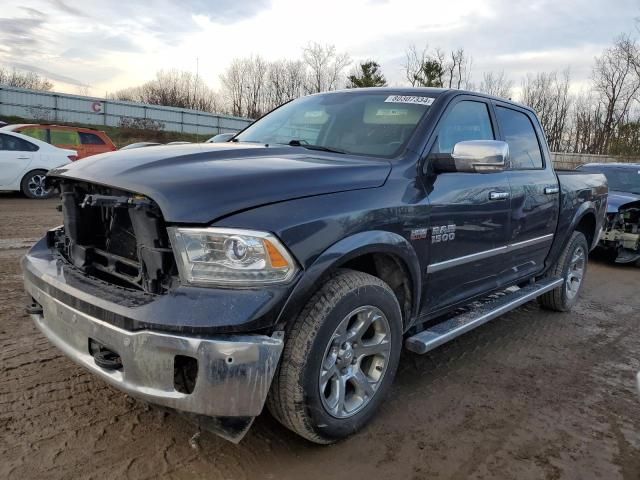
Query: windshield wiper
309, 146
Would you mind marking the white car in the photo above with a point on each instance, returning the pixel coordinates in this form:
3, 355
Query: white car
24, 162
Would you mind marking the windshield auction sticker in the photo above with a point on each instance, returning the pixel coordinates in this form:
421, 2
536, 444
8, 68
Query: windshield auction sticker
409, 99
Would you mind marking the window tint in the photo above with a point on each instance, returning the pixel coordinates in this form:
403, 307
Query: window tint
64, 137
15, 144
35, 132
467, 120
518, 131
90, 139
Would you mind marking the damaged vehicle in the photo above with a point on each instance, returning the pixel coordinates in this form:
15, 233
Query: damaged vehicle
290, 266
621, 235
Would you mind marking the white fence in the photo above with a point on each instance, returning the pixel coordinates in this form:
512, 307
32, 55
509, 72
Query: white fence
59, 107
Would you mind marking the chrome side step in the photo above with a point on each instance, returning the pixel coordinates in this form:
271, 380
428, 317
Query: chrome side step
449, 329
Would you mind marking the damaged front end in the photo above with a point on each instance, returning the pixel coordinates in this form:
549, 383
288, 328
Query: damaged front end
104, 288
621, 236
116, 236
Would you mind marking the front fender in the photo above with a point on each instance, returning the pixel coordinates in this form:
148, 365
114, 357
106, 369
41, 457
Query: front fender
348, 248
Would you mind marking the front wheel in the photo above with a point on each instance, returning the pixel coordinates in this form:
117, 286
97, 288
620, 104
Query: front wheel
572, 266
340, 358
33, 185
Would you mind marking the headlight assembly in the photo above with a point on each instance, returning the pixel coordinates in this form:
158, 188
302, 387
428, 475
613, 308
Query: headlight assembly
229, 256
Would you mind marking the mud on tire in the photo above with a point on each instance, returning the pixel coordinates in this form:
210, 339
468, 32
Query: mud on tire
572, 266
314, 347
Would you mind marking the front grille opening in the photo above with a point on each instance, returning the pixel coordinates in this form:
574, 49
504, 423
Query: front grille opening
116, 236
185, 373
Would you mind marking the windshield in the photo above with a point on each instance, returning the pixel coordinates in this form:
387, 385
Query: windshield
375, 124
621, 179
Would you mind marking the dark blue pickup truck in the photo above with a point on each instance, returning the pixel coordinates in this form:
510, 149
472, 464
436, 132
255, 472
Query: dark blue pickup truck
291, 264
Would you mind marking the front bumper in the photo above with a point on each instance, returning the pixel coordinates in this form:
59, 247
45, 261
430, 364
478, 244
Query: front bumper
234, 371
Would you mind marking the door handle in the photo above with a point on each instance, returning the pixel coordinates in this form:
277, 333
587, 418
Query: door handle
551, 190
23, 158
498, 195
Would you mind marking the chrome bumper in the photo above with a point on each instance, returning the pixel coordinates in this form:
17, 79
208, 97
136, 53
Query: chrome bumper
234, 371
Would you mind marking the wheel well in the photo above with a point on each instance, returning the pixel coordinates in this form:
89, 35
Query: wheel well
391, 270
587, 225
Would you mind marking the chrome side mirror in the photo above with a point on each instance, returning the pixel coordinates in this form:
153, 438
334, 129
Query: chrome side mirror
475, 156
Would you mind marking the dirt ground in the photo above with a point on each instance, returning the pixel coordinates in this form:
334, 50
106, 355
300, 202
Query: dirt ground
531, 395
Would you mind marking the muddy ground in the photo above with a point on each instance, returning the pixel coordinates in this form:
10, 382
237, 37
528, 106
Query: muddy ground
531, 395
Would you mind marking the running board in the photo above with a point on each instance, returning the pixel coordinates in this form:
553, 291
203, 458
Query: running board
449, 329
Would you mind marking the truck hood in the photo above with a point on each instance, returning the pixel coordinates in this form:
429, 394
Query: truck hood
617, 199
199, 183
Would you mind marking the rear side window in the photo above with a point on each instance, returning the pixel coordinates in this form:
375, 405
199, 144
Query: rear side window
64, 137
518, 131
15, 144
467, 120
35, 132
90, 139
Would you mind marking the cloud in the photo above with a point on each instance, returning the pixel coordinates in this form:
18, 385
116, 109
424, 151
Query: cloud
66, 8
111, 44
48, 74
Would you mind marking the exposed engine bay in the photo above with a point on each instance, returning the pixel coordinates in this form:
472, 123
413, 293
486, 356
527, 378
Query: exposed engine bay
621, 236
116, 236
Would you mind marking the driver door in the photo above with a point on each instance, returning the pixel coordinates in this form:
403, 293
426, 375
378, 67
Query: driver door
470, 213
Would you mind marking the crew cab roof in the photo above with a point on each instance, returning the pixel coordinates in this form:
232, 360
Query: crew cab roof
430, 91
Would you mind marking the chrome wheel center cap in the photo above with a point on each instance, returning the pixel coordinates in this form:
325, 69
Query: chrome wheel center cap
345, 355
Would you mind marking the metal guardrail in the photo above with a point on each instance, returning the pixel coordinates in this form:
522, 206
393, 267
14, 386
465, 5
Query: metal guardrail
60, 107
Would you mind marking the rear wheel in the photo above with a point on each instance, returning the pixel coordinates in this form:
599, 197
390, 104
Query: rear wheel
340, 358
572, 266
33, 185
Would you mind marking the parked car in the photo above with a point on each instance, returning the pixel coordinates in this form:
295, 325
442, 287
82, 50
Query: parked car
221, 137
621, 236
292, 265
85, 141
24, 162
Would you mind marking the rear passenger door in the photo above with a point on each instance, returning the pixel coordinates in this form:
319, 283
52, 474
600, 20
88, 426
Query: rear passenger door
92, 144
69, 139
469, 213
534, 190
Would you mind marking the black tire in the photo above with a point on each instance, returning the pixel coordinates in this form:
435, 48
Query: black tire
30, 185
563, 298
295, 395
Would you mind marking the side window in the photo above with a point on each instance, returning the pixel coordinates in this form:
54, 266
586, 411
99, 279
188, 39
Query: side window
35, 132
519, 133
90, 139
64, 137
15, 144
467, 120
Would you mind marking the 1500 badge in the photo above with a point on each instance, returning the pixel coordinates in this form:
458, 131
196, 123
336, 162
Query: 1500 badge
444, 233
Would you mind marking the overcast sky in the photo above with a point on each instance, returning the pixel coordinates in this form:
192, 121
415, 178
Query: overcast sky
107, 45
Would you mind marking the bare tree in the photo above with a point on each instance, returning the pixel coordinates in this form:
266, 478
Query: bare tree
414, 61
497, 84
325, 66
234, 84
616, 82
425, 68
172, 88
458, 69
16, 78
286, 80
548, 95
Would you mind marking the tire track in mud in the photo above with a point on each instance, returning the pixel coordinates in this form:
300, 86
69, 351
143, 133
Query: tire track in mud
533, 394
